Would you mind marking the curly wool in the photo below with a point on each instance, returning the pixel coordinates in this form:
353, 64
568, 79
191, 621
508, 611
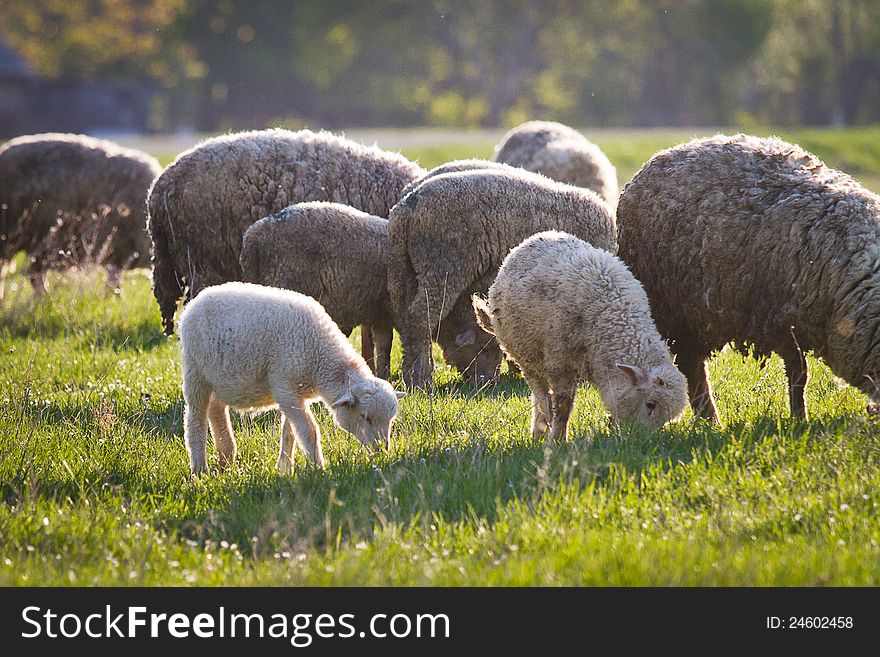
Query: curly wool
202, 203
252, 348
565, 311
561, 153
455, 166
448, 237
47, 176
739, 238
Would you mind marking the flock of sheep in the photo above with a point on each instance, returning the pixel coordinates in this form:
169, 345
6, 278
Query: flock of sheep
281, 243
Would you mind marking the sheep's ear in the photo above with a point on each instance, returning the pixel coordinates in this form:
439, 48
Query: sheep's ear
347, 399
465, 338
635, 373
483, 314
400, 394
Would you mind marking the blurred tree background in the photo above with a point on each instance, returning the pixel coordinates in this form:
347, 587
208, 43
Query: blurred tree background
218, 64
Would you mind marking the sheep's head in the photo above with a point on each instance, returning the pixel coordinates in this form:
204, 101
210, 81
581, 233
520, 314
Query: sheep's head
651, 396
475, 354
467, 347
366, 411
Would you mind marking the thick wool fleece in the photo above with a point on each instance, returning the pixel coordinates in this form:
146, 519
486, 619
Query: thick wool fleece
565, 311
756, 240
561, 153
50, 176
203, 202
455, 166
448, 237
253, 347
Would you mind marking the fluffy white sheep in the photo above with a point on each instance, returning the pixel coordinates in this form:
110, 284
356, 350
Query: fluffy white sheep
253, 348
565, 311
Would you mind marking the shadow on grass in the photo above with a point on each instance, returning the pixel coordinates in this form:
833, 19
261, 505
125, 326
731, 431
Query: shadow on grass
469, 481
162, 422
460, 479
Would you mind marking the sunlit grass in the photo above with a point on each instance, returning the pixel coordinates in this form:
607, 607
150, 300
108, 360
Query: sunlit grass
95, 488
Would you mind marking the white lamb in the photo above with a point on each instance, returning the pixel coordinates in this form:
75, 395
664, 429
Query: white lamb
565, 311
254, 348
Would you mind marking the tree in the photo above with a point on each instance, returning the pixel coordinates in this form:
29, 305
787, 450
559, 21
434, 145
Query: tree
121, 39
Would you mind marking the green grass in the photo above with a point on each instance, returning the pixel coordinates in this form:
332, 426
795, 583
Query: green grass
94, 483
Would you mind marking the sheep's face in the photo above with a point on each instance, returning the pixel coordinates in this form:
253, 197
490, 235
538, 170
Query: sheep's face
466, 346
366, 411
651, 396
474, 353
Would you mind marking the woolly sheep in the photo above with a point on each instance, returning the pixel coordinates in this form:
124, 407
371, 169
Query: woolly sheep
458, 334
447, 239
739, 238
565, 312
60, 190
253, 348
561, 153
455, 166
339, 256
203, 202
334, 253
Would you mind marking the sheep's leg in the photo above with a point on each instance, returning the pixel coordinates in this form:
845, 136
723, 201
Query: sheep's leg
796, 371
424, 313
305, 430
221, 430
541, 412
383, 336
561, 402
695, 369
367, 349
285, 456
196, 397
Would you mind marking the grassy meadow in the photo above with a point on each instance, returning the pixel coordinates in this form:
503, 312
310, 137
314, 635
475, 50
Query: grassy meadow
95, 486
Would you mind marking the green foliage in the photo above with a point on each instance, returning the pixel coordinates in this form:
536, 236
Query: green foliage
109, 38
236, 64
94, 483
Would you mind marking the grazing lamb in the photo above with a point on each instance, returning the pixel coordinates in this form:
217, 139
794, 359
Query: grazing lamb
447, 239
565, 312
740, 238
61, 192
253, 348
203, 202
561, 153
